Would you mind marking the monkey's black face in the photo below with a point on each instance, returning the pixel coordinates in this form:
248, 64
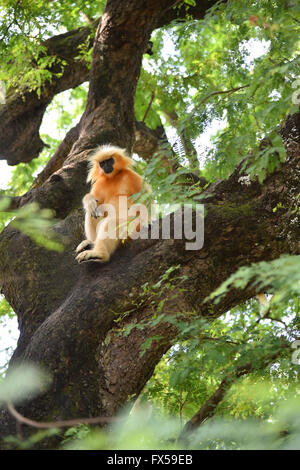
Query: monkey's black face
107, 165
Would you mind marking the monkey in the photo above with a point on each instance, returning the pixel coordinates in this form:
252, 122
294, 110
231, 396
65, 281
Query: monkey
112, 181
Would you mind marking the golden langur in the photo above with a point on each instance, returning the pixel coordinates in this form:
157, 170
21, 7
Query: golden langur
112, 183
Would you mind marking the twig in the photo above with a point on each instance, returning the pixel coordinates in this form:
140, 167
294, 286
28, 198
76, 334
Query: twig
57, 424
221, 92
267, 317
149, 106
214, 93
210, 338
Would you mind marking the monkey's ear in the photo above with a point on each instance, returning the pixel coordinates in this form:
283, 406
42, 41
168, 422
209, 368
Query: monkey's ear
93, 170
128, 160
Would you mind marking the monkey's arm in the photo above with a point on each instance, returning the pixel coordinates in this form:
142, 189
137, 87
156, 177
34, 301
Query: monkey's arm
90, 204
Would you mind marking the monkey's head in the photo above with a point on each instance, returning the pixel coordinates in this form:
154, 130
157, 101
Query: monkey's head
107, 160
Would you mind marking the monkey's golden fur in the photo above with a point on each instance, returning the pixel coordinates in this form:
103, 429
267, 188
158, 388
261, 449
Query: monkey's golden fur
110, 181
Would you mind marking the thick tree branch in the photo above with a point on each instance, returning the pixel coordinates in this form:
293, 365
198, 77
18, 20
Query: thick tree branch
182, 10
57, 160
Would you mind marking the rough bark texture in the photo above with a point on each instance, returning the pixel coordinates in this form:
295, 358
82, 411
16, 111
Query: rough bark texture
67, 312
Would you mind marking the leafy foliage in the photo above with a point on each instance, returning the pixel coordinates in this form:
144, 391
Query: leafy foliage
23, 30
209, 71
38, 223
219, 434
280, 276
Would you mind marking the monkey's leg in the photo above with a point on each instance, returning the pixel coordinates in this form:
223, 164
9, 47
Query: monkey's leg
90, 228
104, 245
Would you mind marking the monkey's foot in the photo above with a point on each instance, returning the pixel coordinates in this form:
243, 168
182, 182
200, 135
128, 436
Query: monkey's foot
85, 245
92, 255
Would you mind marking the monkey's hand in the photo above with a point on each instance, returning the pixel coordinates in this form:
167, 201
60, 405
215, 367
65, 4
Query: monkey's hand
90, 205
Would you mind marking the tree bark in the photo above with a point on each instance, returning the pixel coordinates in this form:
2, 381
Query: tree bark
67, 312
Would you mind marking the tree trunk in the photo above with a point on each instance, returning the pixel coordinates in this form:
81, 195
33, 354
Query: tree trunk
67, 312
